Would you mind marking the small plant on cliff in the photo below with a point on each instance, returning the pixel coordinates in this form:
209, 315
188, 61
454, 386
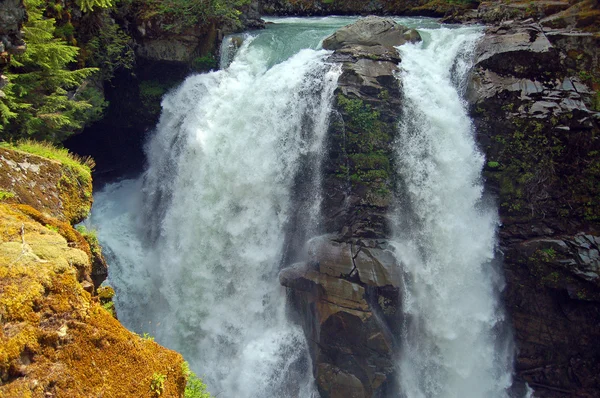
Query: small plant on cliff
91, 237
157, 385
6, 195
194, 388
147, 337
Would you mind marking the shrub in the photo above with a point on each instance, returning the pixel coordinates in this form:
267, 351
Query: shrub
195, 387
157, 385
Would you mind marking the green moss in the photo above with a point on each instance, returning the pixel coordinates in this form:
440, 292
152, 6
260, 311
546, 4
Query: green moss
367, 145
52, 228
204, 63
4, 195
92, 239
549, 253
362, 116
81, 166
151, 93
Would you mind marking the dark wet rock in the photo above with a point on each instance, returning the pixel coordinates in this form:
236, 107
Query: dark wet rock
346, 292
12, 16
533, 101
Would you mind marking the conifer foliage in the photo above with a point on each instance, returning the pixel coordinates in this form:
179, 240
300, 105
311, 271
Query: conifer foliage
37, 102
88, 5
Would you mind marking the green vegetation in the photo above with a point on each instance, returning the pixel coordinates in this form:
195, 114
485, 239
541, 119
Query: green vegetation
367, 146
157, 385
194, 388
151, 93
105, 295
89, 5
110, 49
179, 15
6, 195
204, 63
52, 228
91, 237
549, 253
148, 337
37, 103
81, 166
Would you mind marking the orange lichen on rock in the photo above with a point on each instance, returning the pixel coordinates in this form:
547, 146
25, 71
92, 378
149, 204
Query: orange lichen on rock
55, 340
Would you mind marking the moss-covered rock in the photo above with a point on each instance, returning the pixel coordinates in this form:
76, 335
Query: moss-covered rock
46, 179
55, 338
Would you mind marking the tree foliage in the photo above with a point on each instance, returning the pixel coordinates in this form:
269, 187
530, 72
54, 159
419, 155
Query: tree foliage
110, 50
179, 15
195, 387
37, 102
88, 5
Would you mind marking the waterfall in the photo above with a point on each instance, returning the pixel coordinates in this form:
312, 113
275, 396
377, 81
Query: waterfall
196, 244
452, 341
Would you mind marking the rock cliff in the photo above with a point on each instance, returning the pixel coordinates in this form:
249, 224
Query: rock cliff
534, 100
347, 289
535, 104
359, 7
56, 339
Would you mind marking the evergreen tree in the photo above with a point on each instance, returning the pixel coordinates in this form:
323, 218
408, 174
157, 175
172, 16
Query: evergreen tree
37, 103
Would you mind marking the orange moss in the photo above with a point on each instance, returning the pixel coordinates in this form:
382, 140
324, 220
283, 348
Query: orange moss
56, 341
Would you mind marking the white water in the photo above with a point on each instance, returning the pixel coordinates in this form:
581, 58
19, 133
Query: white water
445, 237
195, 244
195, 257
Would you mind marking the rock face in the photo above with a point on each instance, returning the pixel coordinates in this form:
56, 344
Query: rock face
157, 40
360, 7
346, 287
50, 186
534, 101
55, 338
12, 15
368, 32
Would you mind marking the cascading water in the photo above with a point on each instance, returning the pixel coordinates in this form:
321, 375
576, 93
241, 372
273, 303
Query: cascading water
196, 257
445, 238
195, 244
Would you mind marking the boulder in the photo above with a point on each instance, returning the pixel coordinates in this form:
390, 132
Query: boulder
371, 31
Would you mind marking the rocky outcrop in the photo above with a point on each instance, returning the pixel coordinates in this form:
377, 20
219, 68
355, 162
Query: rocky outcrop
163, 37
12, 15
52, 187
360, 7
535, 104
346, 287
56, 339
